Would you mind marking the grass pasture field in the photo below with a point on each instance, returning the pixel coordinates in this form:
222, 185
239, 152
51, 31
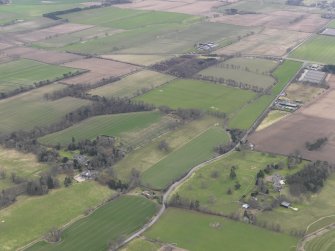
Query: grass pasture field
29, 72
148, 155
140, 244
110, 222
210, 184
125, 18
184, 38
197, 232
30, 109
133, 85
21, 226
23, 165
251, 71
317, 49
108, 125
203, 95
180, 161
326, 242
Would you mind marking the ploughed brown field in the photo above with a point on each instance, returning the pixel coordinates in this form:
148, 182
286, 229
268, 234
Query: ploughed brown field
315, 120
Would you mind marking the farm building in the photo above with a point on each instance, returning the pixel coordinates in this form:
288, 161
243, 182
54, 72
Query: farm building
285, 204
286, 105
313, 76
328, 32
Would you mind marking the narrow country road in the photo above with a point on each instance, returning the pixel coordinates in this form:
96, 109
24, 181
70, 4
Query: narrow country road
196, 168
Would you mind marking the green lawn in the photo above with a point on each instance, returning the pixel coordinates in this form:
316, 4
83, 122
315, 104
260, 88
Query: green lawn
31, 217
27, 110
195, 231
211, 190
180, 161
116, 219
320, 48
24, 72
133, 85
203, 95
109, 125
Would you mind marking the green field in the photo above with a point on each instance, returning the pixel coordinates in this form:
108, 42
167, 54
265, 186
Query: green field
27, 110
75, 37
125, 18
24, 72
116, 219
325, 242
31, 217
180, 161
251, 71
211, 190
198, 94
195, 231
133, 85
108, 125
141, 244
320, 49
149, 154
23, 165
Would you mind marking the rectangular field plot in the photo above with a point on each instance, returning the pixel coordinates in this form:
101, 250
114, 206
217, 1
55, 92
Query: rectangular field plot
23, 72
184, 38
99, 69
273, 42
20, 226
51, 32
133, 85
117, 218
244, 71
125, 18
107, 125
180, 161
198, 94
198, 232
210, 184
82, 36
25, 111
145, 60
150, 154
318, 49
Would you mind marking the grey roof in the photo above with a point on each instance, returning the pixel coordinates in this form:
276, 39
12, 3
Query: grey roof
313, 76
328, 31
